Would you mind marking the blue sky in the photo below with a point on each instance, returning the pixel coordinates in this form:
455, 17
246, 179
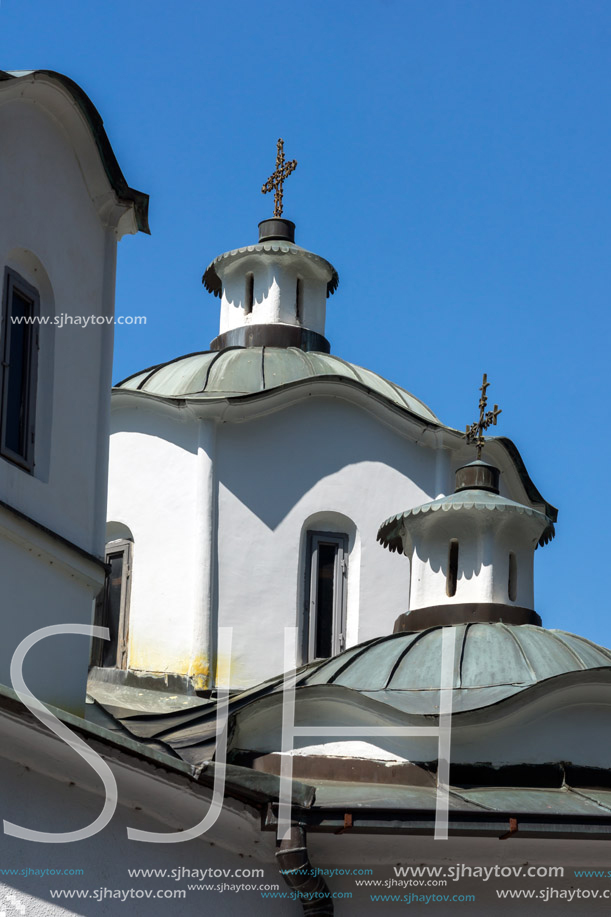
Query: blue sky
453, 166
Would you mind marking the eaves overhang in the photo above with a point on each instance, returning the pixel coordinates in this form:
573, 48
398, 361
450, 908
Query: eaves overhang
213, 284
241, 784
567, 812
243, 407
137, 201
392, 531
417, 708
256, 715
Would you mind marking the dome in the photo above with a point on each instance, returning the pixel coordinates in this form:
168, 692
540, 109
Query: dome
239, 371
492, 662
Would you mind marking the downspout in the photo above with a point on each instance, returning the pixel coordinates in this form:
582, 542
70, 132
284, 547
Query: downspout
301, 877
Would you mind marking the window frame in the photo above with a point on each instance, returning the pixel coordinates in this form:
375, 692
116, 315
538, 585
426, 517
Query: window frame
14, 282
340, 593
125, 547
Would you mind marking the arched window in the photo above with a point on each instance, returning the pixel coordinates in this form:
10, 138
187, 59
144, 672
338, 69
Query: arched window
512, 585
112, 606
325, 595
19, 368
452, 576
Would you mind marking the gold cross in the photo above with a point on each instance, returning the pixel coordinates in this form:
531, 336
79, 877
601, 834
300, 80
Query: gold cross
276, 180
474, 434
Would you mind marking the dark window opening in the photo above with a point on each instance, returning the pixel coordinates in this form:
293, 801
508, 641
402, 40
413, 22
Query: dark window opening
112, 607
452, 576
299, 300
512, 586
249, 293
19, 351
325, 611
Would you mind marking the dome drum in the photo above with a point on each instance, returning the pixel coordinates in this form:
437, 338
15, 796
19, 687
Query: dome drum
272, 334
464, 613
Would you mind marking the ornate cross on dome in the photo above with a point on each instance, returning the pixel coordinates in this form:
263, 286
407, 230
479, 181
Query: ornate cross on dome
474, 434
276, 180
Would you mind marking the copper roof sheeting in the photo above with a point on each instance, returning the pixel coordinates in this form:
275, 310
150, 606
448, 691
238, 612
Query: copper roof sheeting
401, 674
248, 370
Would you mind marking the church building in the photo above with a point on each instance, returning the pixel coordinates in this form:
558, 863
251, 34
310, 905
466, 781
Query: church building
247, 483
316, 650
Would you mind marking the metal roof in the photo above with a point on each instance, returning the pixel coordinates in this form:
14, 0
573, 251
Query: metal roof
571, 810
390, 534
401, 672
492, 661
248, 370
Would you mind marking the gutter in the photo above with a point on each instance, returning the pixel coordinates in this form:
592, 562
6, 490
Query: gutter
498, 825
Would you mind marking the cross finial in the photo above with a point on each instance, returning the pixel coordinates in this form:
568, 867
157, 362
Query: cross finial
276, 180
474, 434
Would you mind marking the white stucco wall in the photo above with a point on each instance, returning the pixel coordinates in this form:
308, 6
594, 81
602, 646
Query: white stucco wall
36, 800
160, 490
219, 515
322, 456
485, 539
45, 584
274, 287
54, 235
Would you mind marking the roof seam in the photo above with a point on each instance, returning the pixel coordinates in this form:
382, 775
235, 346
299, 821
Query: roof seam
402, 655
348, 662
212, 363
521, 649
463, 650
571, 651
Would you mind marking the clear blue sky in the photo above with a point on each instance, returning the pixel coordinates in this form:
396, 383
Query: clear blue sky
454, 165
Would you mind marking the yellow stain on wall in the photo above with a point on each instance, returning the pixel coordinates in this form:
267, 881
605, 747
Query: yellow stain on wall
155, 661
199, 670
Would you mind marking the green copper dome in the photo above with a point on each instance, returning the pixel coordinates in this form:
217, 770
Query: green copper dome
239, 371
492, 662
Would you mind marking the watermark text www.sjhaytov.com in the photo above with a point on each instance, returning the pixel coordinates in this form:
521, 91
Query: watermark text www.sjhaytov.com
64, 320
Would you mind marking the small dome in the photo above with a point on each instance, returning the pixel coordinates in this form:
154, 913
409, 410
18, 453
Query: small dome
239, 371
492, 661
